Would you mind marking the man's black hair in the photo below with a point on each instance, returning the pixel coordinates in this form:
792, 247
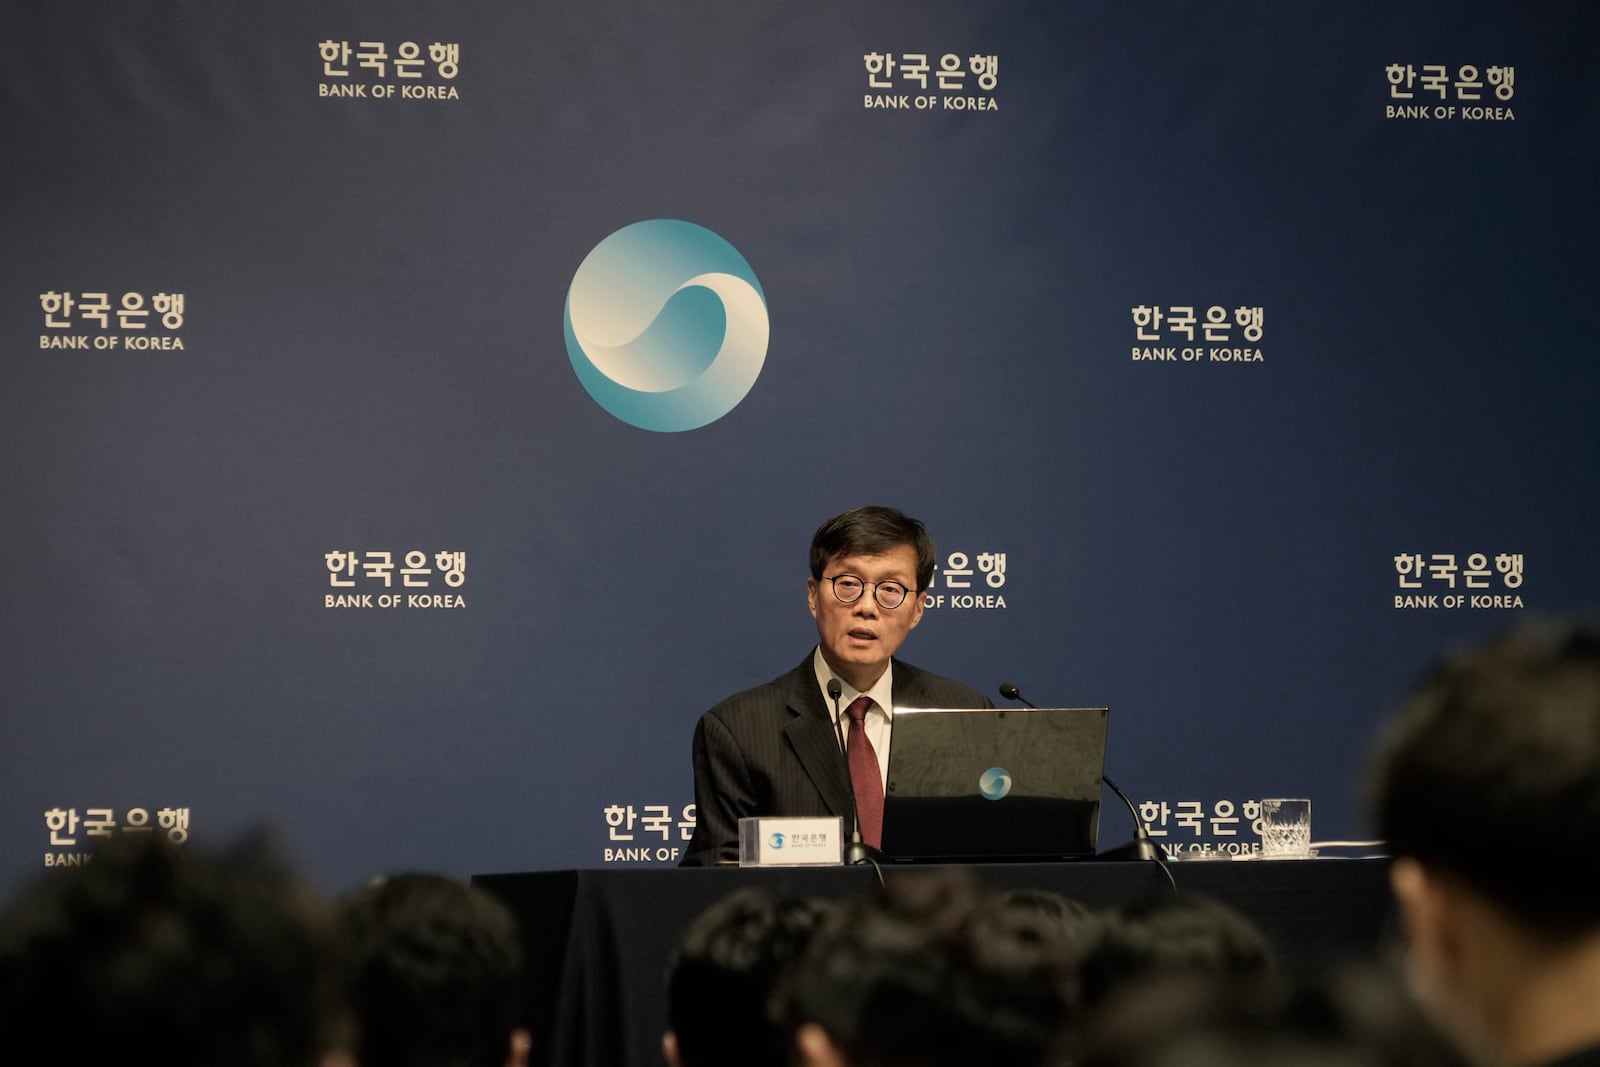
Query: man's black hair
1351, 1016
872, 531
934, 971
1073, 925
160, 954
723, 972
433, 970
1172, 935
1491, 771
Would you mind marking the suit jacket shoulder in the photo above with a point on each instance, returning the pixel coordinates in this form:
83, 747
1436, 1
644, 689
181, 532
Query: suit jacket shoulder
917, 688
770, 750
774, 700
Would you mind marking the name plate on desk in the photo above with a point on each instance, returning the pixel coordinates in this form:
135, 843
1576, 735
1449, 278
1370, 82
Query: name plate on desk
771, 841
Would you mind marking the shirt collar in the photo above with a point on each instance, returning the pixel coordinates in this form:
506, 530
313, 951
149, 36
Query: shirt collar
881, 691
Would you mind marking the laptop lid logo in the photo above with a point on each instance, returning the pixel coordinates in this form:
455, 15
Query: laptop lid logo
994, 783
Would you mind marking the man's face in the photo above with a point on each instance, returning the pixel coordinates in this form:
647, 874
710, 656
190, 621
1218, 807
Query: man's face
858, 639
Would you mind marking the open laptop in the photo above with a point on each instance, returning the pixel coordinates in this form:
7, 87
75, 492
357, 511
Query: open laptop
986, 784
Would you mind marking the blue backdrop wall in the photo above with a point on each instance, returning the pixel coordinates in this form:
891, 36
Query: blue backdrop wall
1234, 354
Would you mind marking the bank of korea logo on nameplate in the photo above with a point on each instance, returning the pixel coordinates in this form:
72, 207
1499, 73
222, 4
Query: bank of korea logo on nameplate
666, 325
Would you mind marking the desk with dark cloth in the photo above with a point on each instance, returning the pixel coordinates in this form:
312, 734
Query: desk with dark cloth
597, 942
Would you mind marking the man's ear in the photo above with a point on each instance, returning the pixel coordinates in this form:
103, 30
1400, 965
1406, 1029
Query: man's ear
1416, 894
817, 1048
669, 1049
1408, 883
521, 1043
1427, 904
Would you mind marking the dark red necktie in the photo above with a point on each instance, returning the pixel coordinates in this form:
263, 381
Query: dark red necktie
864, 773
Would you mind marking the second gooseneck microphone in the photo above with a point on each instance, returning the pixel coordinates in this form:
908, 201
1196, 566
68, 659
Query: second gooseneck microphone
1142, 846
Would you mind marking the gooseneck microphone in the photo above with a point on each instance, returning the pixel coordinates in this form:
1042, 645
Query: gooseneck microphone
857, 850
1142, 847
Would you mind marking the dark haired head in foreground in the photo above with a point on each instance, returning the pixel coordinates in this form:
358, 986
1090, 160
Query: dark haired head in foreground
1074, 927
158, 954
1487, 789
931, 971
1356, 1017
1172, 935
722, 976
433, 970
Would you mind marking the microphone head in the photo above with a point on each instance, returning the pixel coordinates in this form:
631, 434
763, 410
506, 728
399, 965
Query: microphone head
834, 689
1010, 691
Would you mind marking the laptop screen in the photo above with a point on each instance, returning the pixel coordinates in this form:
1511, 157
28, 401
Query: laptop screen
986, 784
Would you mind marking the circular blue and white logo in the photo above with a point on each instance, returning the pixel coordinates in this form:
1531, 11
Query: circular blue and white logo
994, 783
776, 840
666, 325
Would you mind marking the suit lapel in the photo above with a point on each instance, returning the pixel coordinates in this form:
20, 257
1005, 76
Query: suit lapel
810, 733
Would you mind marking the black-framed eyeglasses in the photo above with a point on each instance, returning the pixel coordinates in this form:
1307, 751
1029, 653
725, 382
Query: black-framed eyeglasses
847, 589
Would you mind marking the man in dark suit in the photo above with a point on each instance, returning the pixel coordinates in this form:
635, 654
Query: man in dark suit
773, 750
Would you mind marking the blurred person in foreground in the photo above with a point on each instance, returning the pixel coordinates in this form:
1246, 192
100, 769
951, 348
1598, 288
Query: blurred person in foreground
1487, 789
722, 974
931, 971
1071, 925
1168, 936
1349, 1017
433, 971
159, 954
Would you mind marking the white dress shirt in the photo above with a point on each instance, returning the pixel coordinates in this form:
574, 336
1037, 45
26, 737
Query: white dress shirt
879, 720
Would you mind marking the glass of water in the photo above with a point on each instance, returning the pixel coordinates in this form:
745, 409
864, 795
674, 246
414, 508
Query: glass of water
1285, 829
